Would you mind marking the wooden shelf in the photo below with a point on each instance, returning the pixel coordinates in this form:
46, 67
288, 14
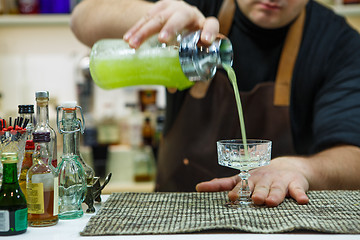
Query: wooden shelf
347, 10
31, 20
342, 9
64, 19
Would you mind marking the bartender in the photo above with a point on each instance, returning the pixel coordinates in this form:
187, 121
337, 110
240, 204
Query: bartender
297, 67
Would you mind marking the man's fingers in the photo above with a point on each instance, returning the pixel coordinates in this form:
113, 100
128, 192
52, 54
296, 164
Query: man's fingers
260, 193
217, 184
134, 28
144, 29
273, 194
276, 195
269, 192
178, 22
167, 18
298, 193
210, 30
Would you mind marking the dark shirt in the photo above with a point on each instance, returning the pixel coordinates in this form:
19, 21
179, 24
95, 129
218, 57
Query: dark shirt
325, 94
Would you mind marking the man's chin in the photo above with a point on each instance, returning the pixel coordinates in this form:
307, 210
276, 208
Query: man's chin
267, 22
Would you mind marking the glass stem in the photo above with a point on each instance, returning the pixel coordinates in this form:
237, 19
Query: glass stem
244, 191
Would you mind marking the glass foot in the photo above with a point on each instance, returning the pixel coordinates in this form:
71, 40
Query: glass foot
238, 204
71, 214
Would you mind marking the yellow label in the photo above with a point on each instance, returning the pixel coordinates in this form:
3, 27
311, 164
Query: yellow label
35, 193
56, 196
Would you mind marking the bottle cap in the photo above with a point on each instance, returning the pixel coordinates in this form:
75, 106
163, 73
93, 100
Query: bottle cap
69, 104
199, 62
42, 94
9, 157
26, 109
29, 145
41, 136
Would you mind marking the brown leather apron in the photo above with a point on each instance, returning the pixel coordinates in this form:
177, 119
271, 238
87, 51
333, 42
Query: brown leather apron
188, 153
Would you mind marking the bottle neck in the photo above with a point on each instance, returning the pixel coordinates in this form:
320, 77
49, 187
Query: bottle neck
71, 136
30, 125
10, 173
41, 153
42, 112
77, 143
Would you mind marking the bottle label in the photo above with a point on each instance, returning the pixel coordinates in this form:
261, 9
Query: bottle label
35, 192
4, 221
45, 178
56, 196
21, 219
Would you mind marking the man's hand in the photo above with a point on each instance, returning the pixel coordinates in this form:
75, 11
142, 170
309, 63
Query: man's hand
283, 177
169, 17
333, 168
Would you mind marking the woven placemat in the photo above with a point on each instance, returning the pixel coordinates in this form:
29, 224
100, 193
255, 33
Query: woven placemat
169, 213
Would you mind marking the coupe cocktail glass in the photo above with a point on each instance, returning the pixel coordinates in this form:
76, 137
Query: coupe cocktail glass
243, 156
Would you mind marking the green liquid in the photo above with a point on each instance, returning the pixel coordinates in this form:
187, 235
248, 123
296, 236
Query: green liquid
127, 67
232, 77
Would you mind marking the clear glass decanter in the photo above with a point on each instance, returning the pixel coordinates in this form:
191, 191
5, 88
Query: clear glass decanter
72, 178
89, 171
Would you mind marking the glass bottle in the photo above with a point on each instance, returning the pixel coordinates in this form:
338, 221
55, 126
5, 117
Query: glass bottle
114, 64
10, 7
26, 164
26, 115
42, 185
144, 164
80, 129
13, 208
28, 6
26, 112
42, 123
148, 132
72, 178
1, 10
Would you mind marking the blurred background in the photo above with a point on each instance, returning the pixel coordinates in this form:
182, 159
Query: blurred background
123, 127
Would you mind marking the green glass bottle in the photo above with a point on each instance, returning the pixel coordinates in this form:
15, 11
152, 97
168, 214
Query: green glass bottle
13, 207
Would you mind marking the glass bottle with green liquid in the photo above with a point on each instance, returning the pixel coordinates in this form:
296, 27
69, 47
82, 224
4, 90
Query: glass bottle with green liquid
113, 64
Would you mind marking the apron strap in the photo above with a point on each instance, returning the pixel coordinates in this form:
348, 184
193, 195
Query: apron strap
287, 61
282, 90
226, 16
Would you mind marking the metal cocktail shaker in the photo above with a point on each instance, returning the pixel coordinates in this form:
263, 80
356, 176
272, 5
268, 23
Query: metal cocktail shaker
199, 62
